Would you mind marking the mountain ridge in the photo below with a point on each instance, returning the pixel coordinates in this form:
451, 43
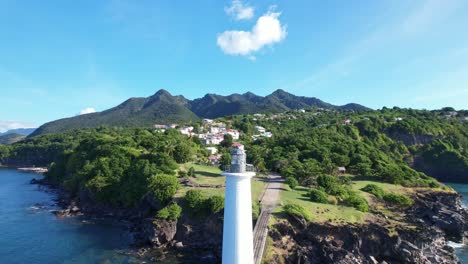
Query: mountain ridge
163, 107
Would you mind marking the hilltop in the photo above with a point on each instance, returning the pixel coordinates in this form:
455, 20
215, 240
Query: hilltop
162, 107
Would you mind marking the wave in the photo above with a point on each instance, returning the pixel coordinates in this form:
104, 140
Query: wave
455, 244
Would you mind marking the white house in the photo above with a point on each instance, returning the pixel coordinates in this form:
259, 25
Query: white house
214, 139
215, 130
207, 121
186, 130
233, 133
347, 121
260, 129
212, 150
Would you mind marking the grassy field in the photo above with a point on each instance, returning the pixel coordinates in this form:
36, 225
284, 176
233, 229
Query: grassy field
212, 175
320, 212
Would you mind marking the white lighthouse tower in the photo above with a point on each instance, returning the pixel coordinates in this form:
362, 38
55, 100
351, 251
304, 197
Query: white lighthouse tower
237, 229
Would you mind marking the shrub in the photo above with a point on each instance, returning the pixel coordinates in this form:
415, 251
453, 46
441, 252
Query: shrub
398, 199
332, 200
291, 182
191, 172
297, 210
318, 196
375, 190
357, 202
164, 187
326, 181
171, 212
182, 173
215, 204
339, 191
194, 199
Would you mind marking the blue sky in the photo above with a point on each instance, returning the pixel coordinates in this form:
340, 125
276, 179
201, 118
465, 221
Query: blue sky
58, 58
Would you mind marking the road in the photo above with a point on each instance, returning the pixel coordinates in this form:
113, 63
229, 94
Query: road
268, 203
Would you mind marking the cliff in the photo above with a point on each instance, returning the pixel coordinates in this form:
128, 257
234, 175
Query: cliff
434, 219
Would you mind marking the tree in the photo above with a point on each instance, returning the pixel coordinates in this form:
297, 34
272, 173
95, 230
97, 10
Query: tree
227, 141
215, 204
225, 159
164, 187
194, 199
191, 172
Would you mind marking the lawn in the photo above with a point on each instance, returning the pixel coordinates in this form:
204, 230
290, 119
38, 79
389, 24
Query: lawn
205, 174
320, 212
212, 175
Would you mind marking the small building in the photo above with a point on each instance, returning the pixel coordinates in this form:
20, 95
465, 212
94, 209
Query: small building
212, 150
234, 133
207, 121
399, 119
215, 130
213, 160
186, 130
260, 129
342, 170
302, 110
159, 126
347, 121
172, 125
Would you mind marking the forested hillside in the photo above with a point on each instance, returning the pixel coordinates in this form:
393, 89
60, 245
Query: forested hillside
162, 107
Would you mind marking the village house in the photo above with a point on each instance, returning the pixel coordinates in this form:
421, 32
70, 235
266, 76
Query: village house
214, 139
215, 130
260, 129
207, 121
213, 160
212, 150
186, 130
342, 170
347, 121
233, 133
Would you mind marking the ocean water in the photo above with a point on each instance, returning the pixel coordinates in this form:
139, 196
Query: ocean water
30, 233
460, 249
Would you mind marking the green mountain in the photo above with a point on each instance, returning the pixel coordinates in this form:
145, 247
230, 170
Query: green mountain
11, 138
162, 107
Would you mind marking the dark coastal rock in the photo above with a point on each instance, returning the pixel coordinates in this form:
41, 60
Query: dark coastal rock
158, 232
435, 218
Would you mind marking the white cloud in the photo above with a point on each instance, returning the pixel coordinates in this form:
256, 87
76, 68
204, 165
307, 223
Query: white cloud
87, 110
267, 31
239, 11
7, 125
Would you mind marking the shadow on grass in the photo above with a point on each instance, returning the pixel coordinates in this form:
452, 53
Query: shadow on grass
208, 174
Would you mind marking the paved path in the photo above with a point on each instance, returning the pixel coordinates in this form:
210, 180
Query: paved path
268, 203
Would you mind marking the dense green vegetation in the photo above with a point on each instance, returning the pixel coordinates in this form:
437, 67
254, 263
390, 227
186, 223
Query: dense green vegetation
124, 166
115, 166
387, 145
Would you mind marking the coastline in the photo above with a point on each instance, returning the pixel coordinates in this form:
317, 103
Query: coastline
438, 218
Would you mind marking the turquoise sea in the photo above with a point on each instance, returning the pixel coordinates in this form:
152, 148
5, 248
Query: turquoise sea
30, 233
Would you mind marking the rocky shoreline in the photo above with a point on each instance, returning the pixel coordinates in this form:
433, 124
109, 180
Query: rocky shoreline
430, 223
